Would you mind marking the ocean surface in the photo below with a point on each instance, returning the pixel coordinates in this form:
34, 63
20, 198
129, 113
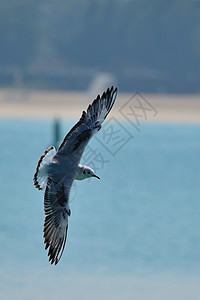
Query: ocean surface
135, 234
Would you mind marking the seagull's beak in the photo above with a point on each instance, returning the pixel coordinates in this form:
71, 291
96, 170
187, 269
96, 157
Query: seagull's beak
96, 176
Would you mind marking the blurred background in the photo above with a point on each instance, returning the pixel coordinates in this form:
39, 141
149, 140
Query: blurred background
136, 233
154, 46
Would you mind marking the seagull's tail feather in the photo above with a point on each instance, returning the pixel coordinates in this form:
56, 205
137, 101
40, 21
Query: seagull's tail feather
41, 176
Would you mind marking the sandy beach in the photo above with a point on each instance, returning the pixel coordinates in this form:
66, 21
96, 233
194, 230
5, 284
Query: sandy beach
32, 104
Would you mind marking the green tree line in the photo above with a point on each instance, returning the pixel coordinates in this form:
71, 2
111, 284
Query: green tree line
145, 43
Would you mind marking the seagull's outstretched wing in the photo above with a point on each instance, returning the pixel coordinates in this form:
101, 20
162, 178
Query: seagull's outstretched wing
90, 122
56, 220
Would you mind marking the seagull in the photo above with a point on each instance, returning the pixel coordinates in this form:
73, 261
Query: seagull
56, 171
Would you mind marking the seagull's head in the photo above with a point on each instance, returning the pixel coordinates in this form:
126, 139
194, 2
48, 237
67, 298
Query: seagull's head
87, 172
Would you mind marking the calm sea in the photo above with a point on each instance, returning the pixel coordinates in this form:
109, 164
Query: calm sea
135, 234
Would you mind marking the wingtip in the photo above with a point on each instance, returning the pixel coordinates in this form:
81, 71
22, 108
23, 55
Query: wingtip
112, 90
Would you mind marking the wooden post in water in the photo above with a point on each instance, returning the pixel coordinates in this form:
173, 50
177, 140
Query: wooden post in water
56, 133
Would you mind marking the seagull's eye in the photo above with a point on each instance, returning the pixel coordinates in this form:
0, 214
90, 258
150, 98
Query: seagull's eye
83, 172
88, 172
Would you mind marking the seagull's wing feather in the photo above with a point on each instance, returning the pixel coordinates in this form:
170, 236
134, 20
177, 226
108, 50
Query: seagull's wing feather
90, 122
41, 174
56, 209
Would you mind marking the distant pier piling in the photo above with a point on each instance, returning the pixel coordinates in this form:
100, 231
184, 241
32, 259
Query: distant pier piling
56, 132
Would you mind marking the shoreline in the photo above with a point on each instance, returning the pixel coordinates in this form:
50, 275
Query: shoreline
33, 104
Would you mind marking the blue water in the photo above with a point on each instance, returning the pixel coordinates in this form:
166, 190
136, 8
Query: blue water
141, 218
